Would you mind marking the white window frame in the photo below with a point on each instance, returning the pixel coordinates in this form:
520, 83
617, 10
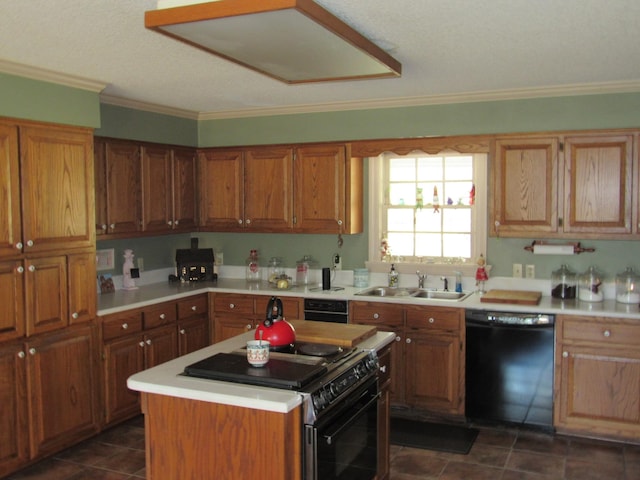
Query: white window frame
478, 227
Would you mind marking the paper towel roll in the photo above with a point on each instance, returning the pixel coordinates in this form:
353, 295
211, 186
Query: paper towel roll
553, 249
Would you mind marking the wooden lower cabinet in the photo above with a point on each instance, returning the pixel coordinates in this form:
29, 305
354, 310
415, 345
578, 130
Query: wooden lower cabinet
427, 357
49, 394
194, 439
235, 313
597, 377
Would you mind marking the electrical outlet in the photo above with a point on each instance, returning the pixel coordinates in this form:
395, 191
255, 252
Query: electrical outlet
530, 271
337, 261
141, 264
219, 258
517, 270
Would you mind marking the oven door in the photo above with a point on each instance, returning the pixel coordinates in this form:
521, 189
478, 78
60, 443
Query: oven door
344, 444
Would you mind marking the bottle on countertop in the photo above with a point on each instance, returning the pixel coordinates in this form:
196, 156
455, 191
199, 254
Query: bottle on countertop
459, 282
393, 276
253, 267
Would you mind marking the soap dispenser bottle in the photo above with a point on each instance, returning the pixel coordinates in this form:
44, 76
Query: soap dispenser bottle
393, 276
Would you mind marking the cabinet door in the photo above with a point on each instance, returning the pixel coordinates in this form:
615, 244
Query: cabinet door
63, 381
10, 218
433, 372
193, 335
14, 430
46, 294
226, 326
268, 193
123, 184
598, 184
184, 190
221, 190
100, 184
320, 189
599, 390
57, 188
157, 201
82, 287
161, 345
122, 358
525, 187
12, 318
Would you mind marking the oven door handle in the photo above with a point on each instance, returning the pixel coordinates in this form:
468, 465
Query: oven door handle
329, 436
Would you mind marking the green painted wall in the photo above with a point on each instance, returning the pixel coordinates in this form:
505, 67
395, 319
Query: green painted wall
48, 102
126, 123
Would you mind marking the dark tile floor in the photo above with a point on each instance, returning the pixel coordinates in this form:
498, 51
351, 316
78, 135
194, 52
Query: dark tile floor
497, 454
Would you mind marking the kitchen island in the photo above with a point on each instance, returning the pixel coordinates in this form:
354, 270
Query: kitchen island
198, 429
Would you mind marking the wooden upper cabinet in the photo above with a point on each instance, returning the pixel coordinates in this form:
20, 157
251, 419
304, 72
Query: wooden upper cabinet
268, 195
328, 190
157, 214
221, 189
185, 200
525, 187
10, 217
598, 184
118, 187
12, 318
57, 188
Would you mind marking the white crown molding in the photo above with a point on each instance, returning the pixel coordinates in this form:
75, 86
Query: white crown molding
148, 107
472, 97
35, 73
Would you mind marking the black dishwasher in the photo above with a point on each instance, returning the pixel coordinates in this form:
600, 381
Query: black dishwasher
509, 368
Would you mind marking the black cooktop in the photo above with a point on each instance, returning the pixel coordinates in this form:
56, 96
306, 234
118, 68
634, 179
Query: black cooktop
277, 373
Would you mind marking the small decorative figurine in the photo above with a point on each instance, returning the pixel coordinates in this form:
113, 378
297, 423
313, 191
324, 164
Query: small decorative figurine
481, 275
436, 200
128, 283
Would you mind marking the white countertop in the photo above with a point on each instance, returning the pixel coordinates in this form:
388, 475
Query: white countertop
122, 300
165, 379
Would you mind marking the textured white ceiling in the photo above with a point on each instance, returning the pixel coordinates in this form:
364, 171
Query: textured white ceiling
449, 50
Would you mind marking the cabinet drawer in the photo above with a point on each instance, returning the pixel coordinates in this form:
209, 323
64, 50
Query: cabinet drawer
373, 313
121, 324
193, 306
441, 319
233, 303
158, 315
601, 330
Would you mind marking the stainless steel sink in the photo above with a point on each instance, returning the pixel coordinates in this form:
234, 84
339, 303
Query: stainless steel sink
387, 292
414, 293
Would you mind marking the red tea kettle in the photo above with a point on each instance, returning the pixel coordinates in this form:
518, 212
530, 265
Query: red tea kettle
275, 329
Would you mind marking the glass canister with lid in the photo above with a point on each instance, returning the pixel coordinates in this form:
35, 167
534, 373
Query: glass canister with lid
628, 287
275, 269
563, 283
590, 286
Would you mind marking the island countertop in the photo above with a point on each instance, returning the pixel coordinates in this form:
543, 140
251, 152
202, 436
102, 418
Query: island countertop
167, 379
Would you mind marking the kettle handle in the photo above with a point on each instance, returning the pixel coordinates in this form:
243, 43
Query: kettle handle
275, 304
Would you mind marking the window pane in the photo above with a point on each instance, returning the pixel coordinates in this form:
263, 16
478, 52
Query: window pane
430, 169
401, 244
428, 221
459, 168
402, 169
457, 245
400, 219
458, 192
428, 245
402, 193
456, 220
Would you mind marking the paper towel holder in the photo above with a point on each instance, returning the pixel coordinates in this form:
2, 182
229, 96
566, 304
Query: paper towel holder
549, 248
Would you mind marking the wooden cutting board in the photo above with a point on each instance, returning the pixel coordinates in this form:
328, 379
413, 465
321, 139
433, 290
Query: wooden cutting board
517, 297
342, 334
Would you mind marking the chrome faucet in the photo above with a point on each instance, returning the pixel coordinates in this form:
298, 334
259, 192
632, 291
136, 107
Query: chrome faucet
446, 283
421, 278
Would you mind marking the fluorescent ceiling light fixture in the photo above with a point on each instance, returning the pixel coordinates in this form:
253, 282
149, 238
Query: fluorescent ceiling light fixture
295, 41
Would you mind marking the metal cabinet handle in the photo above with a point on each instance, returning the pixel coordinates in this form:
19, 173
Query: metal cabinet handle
125, 326
20, 269
74, 315
182, 331
141, 344
249, 326
431, 320
32, 268
32, 351
194, 308
339, 222
240, 221
169, 222
149, 341
162, 316
248, 221
19, 245
103, 227
112, 226
565, 354
398, 338
408, 340
29, 243
607, 333
21, 354
383, 368
232, 305
376, 315
176, 222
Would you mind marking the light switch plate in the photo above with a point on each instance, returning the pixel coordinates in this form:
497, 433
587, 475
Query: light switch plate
517, 270
530, 271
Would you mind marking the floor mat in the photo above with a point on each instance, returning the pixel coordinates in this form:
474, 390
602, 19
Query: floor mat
432, 436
